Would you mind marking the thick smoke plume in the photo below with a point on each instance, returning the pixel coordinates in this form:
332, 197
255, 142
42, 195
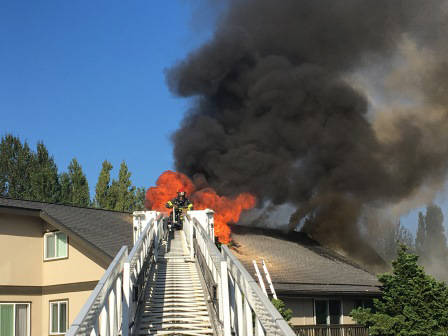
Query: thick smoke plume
330, 106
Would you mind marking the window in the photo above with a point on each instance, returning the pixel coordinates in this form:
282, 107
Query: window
14, 319
55, 245
58, 317
328, 311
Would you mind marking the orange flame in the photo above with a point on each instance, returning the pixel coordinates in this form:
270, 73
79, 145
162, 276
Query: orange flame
227, 210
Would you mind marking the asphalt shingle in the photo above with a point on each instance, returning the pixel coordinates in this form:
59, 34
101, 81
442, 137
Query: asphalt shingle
298, 264
107, 230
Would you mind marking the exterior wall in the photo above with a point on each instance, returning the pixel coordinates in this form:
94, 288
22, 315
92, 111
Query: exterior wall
347, 306
35, 309
75, 302
303, 310
21, 250
26, 277
67, 270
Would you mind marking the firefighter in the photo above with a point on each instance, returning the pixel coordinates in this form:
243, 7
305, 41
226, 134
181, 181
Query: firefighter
179, 204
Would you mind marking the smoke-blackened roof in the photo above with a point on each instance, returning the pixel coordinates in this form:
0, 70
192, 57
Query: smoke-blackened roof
105, 230
299, 265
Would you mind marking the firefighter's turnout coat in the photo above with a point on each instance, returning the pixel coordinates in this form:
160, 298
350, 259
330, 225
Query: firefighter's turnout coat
178, 204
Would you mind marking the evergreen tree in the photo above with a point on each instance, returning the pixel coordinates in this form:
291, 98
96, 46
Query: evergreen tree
79, 185
412, 303
65, 196
44, 177
16, 166
124, 191
139, 203
404, 236
435, 241
431, 242
102, 188
421, 235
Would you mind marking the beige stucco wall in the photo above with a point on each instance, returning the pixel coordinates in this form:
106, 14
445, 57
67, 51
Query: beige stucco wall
22, 262
35, 310
22, 265
302, 311
21, 250
75, 302
76, 268
347, 307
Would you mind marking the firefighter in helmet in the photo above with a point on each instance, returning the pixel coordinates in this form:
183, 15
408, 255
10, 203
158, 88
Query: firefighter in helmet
179, 204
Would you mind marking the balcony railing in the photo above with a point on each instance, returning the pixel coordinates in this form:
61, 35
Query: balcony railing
331, 330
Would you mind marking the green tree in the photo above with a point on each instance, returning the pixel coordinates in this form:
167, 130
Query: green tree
421, 235
102, 188
139, 202
431, 242
44, 177
16, 166
123, 190
281, 307
412, 302
79, 185
65, 196
435, 241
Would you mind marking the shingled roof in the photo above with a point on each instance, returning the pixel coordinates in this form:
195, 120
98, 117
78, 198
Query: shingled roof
298, 265
104, 230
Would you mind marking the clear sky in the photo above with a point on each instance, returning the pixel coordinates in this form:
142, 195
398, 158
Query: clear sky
87, 78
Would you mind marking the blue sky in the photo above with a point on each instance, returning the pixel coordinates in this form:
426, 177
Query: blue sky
87, 78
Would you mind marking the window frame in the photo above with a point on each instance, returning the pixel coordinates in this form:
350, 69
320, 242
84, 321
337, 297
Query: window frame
58, 302
54, 233
28, 315
327, 301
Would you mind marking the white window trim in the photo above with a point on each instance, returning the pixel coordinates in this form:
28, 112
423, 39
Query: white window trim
51, 317
28, 315
45, 245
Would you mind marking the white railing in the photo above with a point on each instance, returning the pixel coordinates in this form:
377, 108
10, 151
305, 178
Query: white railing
251, 312
212, 266
242, 308
111, 307
239, 307
137, 268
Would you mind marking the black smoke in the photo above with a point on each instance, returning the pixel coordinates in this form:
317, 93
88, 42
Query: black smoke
276, 112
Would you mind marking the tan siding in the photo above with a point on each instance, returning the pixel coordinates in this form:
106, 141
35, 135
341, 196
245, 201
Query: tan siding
21, 250
302, 311
36, 309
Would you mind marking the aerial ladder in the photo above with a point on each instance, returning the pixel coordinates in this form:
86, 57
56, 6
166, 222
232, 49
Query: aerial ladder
177, 283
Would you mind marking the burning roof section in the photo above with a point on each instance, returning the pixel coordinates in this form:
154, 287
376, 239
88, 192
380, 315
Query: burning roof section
298, 265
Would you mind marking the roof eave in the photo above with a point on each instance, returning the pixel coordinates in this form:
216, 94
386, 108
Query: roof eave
99, 255
12, 210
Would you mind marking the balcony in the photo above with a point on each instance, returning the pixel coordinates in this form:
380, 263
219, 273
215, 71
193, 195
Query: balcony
331, 330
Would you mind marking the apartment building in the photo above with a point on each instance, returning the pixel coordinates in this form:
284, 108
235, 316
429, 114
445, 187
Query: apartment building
51, 258
319, 285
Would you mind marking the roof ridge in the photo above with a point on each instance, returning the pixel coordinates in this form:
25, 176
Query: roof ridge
66, 205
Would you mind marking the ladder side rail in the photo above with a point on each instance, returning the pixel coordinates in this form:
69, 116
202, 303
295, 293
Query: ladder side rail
88, 319
268, 319
137, 267
213, 266
188, 229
